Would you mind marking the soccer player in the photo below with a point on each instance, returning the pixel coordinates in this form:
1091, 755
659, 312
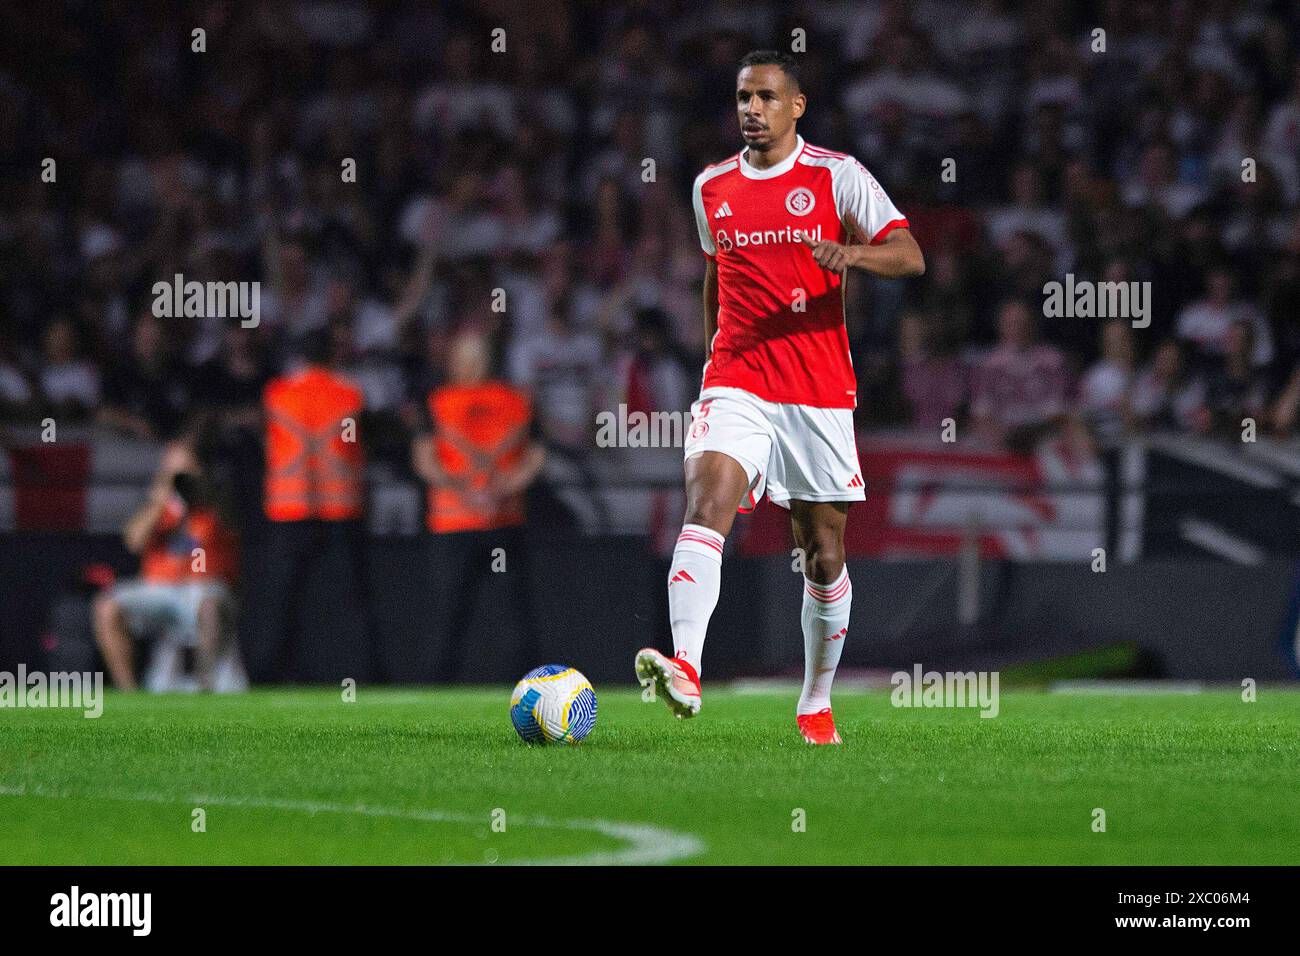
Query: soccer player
780, 224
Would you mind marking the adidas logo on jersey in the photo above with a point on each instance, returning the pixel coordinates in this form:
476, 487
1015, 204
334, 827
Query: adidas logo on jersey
723, 211
855, 481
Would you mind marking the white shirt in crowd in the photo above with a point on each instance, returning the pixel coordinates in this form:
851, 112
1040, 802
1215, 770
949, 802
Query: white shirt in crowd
1207, 324
71, 382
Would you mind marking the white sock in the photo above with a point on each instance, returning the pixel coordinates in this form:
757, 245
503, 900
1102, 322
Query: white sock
825, 619
694, 581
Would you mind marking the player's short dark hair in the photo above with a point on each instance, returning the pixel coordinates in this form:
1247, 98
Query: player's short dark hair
788, 64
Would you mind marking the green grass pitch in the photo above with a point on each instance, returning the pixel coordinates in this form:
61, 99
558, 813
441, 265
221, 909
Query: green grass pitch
413, 776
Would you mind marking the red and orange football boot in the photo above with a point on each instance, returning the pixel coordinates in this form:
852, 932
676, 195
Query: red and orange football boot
819, 728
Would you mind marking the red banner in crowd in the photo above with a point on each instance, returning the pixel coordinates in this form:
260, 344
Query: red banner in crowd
49, 487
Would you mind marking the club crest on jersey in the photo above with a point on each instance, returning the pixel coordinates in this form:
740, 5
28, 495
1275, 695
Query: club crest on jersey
800, 201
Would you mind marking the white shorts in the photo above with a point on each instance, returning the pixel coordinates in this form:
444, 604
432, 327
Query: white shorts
794, 451
170, 607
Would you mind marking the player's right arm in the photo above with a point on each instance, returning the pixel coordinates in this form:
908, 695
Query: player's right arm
710, 306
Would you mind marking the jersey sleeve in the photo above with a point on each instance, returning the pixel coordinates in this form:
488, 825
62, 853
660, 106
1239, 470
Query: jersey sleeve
859, 198
702, 218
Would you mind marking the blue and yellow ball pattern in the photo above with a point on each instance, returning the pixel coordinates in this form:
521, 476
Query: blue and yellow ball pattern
553, 704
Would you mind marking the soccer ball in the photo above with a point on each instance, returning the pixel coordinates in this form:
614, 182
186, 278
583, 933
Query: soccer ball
553, 704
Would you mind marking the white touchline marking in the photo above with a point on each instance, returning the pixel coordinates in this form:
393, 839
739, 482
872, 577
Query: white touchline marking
648, 844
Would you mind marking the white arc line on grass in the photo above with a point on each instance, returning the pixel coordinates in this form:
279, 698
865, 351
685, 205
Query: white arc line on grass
648, 844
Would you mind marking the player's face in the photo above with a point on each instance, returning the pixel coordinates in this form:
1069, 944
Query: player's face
767, 105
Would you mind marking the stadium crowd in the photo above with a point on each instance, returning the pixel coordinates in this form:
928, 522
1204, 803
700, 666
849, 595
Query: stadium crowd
525, 171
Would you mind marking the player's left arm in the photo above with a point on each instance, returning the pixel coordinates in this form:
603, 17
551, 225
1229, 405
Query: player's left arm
896, 256
877, 236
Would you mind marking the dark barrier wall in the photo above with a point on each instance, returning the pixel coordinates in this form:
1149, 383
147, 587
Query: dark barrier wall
598, 600
1191, 619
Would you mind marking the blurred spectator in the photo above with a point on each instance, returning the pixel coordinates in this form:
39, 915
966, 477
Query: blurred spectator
656, 376
1235, 388
16, 393
1020, 388
1029, 212
1157, 183
1281, 137
69, 382
934, 384
378, 376
462, 99
145, 396
231, 384
903, 74
1207, 323
562, 366
1165, 394
1105, 393
295, 299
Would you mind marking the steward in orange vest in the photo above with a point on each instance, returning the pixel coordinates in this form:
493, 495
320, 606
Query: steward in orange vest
311, 620
315, 465
479, 433
478, 458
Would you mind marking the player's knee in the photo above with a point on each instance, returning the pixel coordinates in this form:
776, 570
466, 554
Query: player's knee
711, 512
825, 558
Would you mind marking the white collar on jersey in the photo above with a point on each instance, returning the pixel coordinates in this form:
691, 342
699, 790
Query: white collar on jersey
784, 166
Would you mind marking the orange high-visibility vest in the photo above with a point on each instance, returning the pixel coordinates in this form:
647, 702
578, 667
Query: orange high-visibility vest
311, 470
169, 555
478, 431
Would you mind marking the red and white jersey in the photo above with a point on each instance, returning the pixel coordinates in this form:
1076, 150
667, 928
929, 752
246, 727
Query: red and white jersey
781, 329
